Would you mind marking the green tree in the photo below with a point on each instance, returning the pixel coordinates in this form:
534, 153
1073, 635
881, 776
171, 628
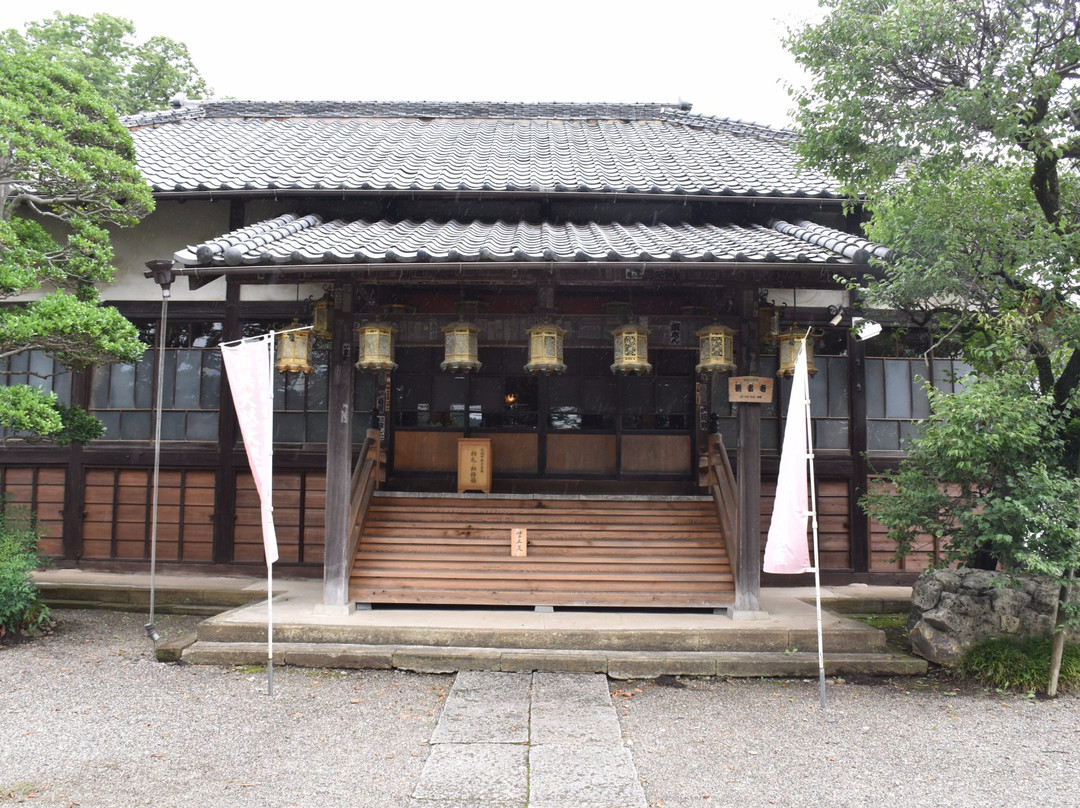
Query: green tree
956, 125
133, 77
67, 171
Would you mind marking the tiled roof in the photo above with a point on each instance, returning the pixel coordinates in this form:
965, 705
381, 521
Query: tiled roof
526, 148
295, 239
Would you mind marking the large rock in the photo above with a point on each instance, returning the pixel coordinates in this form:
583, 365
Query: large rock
952, 610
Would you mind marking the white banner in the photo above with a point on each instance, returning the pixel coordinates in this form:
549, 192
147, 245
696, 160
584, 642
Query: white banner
248, 368
786, 549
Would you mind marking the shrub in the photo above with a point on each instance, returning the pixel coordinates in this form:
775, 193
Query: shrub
1020, 664
21, 608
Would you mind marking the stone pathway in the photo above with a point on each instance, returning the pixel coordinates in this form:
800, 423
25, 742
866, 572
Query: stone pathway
541, 740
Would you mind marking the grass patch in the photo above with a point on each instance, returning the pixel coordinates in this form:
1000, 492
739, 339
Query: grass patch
1020, 664
894, 626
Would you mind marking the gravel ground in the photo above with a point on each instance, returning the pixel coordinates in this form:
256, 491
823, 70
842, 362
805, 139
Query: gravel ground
90, 719
896, 743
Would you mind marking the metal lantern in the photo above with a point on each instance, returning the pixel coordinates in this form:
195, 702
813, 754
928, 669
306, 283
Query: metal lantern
631, 349
375, 349
768, 323
716, 349
294, 350
545, 349
322, 316
462, 349
790, 341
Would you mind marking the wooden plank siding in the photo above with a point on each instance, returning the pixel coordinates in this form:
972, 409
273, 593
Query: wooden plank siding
119, 507
40, 489
299, 517
580, 552
883, 550
833, 503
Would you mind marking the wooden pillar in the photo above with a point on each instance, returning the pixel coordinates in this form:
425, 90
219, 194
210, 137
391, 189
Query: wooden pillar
225, 490
75, 476
339, 454
748, 473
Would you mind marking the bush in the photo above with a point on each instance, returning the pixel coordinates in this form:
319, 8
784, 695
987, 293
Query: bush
21, 608
1020, 664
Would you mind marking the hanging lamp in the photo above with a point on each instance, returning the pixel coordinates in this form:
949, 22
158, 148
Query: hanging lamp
294, 349
461, 341
322, 316
789, 342
716, 349
631, 349
375, 346
546, 349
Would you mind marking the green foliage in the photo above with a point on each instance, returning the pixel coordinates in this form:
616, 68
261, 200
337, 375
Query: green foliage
67, 173
984, 478
1020, 664
954, 123
21, 608
131, 77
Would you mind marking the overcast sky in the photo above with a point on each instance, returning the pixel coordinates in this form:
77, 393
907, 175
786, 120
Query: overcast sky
724, 56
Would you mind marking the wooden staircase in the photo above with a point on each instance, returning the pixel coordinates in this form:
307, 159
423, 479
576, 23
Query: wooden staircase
581, 551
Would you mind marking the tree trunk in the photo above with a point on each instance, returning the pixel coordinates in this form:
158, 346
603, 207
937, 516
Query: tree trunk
1058, 647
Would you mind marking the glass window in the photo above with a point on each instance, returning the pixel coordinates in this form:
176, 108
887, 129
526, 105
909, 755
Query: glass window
122, 395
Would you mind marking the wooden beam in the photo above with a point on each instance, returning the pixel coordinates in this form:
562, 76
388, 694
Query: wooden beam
339, 453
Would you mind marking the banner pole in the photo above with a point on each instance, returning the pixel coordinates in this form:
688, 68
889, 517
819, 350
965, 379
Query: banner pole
270, 564
814, 531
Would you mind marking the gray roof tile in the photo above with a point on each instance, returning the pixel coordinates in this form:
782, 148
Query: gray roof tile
296, 239
538, 148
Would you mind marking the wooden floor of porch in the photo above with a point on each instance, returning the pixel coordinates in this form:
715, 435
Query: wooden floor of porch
598, 551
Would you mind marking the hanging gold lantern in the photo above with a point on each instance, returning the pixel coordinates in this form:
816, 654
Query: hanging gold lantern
545, 349
322, 316
294, 350
716, 349
375, 349
790, 341
631, 349
462, 351
768, 323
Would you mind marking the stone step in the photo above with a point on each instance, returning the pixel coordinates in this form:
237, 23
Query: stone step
849, 636
616, 664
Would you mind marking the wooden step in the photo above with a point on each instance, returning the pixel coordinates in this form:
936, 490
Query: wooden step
588, 552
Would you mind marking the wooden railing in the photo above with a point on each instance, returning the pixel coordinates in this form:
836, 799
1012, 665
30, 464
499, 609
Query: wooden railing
717, 476
365, 479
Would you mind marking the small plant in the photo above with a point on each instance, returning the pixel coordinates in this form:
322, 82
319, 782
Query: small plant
1020, 664
21, 608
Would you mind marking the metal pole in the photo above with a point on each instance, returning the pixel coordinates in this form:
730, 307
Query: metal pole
814, 528
269, 564
151, 630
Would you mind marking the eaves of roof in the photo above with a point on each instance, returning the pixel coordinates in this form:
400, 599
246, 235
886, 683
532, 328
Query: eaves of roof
307, 240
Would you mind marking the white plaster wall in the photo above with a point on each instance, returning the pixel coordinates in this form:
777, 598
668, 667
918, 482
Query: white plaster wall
170, 228
807, 298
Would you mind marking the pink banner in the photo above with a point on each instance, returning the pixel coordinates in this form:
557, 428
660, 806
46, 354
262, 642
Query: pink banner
248, 368
786, 550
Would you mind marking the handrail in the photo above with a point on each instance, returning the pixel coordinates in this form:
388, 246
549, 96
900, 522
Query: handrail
365, 479
720, 480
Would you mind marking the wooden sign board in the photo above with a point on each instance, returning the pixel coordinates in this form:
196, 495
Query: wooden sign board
519, 541
474, 465
753, 389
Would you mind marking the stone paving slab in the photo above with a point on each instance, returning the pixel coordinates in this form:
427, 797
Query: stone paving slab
571, 708
492, 775
520, 740
583, 776
485, 707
